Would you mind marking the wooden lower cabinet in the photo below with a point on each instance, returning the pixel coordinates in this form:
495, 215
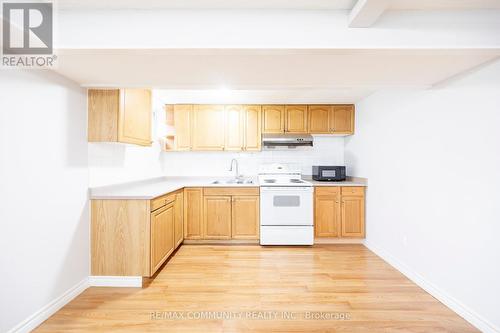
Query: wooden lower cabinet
245, 218
193, 213
120, 237
217, 217
339, 212
134, 237
353, 216
179, 218
231, 217
327, 212
162, 235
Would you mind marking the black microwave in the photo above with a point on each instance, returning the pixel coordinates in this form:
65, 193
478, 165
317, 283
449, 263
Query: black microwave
328, 173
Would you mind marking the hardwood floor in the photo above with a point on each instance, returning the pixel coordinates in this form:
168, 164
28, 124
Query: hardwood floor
358, 290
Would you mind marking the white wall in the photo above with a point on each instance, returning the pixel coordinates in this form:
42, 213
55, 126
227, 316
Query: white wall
112, 163
432, 159
44, 240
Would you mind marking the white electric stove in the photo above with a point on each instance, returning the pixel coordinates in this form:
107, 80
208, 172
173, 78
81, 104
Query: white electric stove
286, 206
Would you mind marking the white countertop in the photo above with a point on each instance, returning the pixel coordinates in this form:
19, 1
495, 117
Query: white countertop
155, 187
350, 181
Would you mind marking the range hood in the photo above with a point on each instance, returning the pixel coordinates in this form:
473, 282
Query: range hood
286, 141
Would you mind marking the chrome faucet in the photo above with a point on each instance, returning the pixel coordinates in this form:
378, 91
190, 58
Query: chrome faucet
237, 174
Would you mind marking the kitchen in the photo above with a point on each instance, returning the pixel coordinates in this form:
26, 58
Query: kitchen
218, 167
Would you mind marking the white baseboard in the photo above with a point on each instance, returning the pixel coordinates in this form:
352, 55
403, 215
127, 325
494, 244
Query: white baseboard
115, 281
462, 310
48, 310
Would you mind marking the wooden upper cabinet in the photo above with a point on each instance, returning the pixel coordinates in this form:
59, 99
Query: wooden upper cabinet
253, 130
208, 127
319, 119
183, 114
217, 217
162, 235
234, 127
342, 119
245, 217
296, 118
193, 213
240, 127
119, 115
327, 212
273, 119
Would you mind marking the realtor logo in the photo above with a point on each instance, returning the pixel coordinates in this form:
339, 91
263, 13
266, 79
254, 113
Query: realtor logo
27, 30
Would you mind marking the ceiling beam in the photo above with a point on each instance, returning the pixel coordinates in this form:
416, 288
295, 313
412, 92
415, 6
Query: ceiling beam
366, 12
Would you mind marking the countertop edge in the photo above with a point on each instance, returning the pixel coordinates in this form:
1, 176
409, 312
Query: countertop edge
112, 192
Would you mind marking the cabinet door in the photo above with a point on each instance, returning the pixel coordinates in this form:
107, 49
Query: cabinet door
162, 236
193, 213
353, 216
134, 119
252, 119
319, 119
103, 106
208, 127
245, 217
296, 119
327, 215
182, 122
342, 119
234, 127
179, 220
273, 119
217, 217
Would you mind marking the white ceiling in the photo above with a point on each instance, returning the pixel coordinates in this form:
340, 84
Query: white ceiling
273, 4
335, 74
443, 4
208, 4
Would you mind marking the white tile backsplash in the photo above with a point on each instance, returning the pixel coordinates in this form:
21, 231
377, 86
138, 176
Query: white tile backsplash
111, 163
326, 151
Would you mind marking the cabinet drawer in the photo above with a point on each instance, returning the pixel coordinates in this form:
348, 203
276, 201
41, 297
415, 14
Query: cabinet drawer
351, 190
162, 201
231, 191
327, 190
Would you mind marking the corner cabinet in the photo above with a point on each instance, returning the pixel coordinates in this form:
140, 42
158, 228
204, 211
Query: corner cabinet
134, 237
339, 212
119, 115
